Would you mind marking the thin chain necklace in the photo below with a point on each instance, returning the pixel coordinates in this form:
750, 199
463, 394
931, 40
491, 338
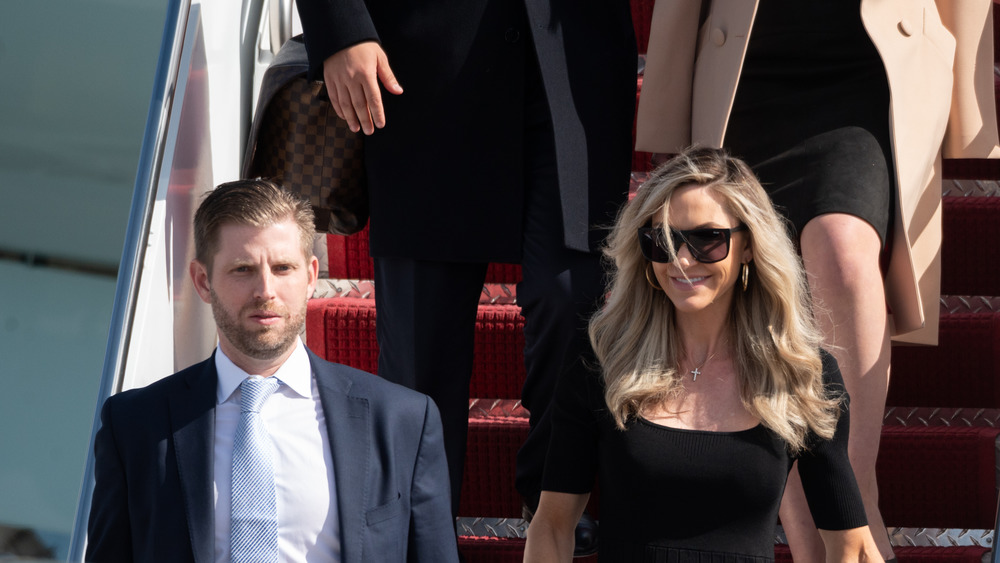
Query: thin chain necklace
697, 371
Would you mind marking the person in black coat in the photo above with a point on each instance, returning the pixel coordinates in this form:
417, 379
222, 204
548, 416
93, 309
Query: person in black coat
498, 131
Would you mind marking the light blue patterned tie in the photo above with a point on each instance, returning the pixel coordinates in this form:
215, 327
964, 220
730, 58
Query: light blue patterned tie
254, 524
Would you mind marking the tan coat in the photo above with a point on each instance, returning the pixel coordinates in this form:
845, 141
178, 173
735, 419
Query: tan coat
939, 63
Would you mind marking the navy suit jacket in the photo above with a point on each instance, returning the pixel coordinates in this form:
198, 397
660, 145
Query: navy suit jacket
153, 498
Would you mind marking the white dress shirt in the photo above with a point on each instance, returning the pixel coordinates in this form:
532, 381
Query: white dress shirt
308, 526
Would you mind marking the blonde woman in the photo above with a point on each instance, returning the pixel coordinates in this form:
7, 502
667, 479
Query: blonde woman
709, 382
843, 109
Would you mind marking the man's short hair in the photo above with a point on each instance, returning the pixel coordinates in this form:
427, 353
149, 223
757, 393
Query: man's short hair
256, 203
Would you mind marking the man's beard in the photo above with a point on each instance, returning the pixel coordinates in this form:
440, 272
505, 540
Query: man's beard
263, 343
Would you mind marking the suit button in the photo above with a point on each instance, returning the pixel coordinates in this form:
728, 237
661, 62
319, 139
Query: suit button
512, 35
905, 27
718, 37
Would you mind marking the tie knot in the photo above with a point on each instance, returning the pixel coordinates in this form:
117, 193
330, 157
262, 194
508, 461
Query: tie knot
255, 390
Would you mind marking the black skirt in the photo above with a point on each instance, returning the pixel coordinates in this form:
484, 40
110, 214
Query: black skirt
811, 113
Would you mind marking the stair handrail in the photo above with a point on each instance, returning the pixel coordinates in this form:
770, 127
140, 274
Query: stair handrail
136, 237
280, 20
280, 30
250, 17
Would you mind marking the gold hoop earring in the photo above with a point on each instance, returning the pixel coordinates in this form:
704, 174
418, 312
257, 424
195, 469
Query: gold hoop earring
651, 279
745, 275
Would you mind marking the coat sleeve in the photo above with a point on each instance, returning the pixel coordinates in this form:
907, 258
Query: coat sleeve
109, 535
972, 123
432, 528
571, 463
663, 120
331, 25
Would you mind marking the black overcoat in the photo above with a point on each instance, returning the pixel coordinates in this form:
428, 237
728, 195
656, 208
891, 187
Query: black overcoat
446, 174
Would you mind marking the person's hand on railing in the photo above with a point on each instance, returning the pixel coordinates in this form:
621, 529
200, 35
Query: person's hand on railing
352, 77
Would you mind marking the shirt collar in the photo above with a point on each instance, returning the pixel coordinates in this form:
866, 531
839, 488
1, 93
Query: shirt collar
296, 373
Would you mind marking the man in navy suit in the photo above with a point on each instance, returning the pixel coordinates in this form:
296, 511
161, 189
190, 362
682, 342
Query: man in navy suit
358, 463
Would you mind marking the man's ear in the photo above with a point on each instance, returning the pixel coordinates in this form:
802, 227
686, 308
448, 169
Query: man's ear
313, 274
199, 275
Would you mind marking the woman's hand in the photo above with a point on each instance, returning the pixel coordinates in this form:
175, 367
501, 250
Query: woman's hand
849, 546
550, 533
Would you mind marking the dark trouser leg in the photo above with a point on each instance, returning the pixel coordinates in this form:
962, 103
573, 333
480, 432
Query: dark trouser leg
426, 329
560, 289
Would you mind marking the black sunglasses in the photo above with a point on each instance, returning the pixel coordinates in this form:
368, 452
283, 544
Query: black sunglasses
706, 245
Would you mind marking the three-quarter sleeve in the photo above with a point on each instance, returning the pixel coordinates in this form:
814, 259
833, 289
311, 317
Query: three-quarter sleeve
827, 477
577, 408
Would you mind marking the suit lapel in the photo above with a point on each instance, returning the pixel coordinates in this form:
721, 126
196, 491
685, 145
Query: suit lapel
348, 426
192, 420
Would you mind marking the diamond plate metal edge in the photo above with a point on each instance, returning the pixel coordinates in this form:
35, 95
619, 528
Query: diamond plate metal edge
320, 252
492, 527
955, 304
927, 537
900, 537
497, 408
936, 416
326, 288
938, 537
493, 293
970, 188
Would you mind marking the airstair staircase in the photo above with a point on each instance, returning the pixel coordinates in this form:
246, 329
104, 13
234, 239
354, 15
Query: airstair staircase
937, 466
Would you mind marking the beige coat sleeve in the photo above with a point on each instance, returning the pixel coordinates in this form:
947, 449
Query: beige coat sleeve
664, 113
972, 123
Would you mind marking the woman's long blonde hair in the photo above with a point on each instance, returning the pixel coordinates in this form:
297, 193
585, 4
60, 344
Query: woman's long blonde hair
775, 338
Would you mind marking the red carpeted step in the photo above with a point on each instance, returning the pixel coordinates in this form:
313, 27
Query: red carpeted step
960, 372
499, 353
972, 168
488, 549
938, 476
350, 260
342, 330
496, 431
349, 257
970, 253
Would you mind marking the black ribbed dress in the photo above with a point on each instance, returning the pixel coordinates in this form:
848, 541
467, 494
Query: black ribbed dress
811, 113
680, 496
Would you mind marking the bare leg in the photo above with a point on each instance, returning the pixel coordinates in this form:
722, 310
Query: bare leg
841, 257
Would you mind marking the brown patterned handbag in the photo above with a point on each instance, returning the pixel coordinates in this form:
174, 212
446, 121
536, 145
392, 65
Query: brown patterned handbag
298, 140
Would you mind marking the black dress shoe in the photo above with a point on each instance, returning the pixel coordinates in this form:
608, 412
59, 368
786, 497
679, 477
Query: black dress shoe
585, 534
